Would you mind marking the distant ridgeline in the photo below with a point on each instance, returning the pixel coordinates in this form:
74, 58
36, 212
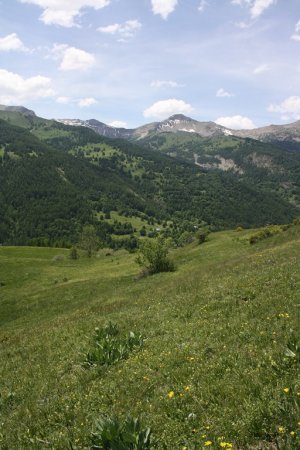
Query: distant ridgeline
56, 178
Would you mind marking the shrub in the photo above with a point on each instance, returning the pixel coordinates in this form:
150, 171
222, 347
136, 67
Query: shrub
110, 347
296, 221
239, 229
202, 235
73, 253
153, 257
266, 232
88, 240
185, 238
113, 434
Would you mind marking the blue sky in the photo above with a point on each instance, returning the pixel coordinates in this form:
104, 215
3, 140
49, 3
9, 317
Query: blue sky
129, 62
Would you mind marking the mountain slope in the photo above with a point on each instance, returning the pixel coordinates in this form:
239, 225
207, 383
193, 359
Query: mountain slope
287, 136
71, 176
217, 333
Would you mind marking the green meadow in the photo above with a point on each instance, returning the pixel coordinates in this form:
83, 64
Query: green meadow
219, 367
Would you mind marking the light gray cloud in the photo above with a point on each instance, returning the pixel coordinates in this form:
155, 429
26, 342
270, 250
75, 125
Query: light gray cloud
165, 83
163, 7
125, 30
72, 58
222, 93
256, 7
165, 108
12, 42
15, 89
261, 69
290, 106
64, 12
236, 122
86, 102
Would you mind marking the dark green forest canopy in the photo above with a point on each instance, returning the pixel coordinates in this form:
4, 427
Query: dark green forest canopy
56, 178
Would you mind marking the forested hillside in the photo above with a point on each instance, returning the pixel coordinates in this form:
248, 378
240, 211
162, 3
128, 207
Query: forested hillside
56, 178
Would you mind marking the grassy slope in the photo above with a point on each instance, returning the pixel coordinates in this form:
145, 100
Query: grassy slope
213, 335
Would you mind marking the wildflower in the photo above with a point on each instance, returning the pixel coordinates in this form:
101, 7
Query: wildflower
292, 433
207, 443
184, 448
187, 388
286, 390
281, 429
298, 394
171, 394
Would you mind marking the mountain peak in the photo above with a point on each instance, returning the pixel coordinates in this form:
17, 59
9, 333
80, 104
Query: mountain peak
179, 117
20, 109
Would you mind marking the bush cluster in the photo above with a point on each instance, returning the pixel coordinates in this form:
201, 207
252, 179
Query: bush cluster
266, 232
112, 433
109, 346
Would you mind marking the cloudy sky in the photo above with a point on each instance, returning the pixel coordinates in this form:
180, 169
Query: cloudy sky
129, 62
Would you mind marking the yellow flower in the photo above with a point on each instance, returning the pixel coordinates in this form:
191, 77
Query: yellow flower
207, 443
286, 390
171, 394
292, 433
298, 394
281, 429
184, 448
187, 388
223, 444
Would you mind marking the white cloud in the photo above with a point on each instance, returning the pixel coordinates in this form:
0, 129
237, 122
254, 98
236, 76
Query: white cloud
257, 7
86, 102
222, 93
202, 6
290, 105
118, 124
165, 83
296, 36
63, 100
163, 7
11, 42
125, 30
236, 122
63, 12
72, 58
244, 25
166, 108
16, 89
261, 69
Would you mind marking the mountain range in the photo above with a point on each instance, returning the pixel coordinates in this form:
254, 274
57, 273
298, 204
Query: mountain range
178, 123
55, 178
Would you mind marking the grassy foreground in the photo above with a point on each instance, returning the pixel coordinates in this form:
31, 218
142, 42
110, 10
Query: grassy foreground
217, 369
